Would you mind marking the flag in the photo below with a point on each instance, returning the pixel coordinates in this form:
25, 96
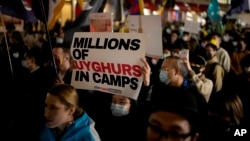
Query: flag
137, 7
20, 9
237, 6
114, 7
39, 9
55, 6
78, 8
214, 11
162, 7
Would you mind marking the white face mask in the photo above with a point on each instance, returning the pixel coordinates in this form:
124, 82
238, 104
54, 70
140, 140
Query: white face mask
225, 38
165, 55
164, 77
59, 40
175, 54
154, 61
235, 43
119, 110
24, 64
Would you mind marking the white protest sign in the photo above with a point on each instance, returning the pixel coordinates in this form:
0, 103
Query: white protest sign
151, 25
191, 26
108, 62
101, 22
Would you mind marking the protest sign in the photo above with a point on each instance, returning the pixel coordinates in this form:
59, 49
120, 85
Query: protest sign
101, 22
108, 62
192, 26
151, 25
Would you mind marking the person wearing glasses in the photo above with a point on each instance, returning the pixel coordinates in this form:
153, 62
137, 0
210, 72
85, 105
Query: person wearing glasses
174, 119
173, 73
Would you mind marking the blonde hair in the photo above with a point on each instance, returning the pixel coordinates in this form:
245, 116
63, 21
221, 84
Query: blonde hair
68, 95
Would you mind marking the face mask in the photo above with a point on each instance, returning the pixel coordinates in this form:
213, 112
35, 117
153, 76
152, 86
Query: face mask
196, 69
225, 38
176, 55
165, 55
203, 45
235, 43
185, 38
119, 110
59, 40
24, 64
154, 61
16, 55
209, 55
164, 77
168, 30
181, 28
247, 70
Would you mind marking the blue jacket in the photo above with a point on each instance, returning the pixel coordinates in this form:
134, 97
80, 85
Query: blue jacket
82, 129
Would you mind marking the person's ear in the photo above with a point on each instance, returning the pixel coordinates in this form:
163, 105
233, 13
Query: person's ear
72, 110
177, 71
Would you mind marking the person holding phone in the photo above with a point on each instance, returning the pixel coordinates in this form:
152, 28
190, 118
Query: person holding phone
196, 66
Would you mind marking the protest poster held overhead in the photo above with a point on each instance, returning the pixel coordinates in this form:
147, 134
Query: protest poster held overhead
137, 23
108, 62
101, 22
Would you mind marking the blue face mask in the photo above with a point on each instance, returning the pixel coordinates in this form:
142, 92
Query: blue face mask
119, 110
164, 77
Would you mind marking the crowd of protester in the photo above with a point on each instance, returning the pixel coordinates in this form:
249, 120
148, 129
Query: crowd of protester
202, 96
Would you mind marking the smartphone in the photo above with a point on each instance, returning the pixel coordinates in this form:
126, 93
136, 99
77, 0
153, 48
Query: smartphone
184, 53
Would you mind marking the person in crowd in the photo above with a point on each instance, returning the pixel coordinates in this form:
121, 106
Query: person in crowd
175, 117
16, 52
10, 28
222, 55
65, 120
117, 119
173, 73
196, 66
173, 38
242, 85
33, 86
227, 42
63, 62
238, 55
214, 71
225, 112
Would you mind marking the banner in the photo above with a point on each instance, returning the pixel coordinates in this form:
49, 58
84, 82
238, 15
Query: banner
192, 26
108, 62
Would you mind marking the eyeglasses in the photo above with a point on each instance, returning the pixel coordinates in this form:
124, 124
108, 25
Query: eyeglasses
157, 133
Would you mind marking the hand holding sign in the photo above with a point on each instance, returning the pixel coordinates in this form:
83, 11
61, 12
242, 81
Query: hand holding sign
146, 70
